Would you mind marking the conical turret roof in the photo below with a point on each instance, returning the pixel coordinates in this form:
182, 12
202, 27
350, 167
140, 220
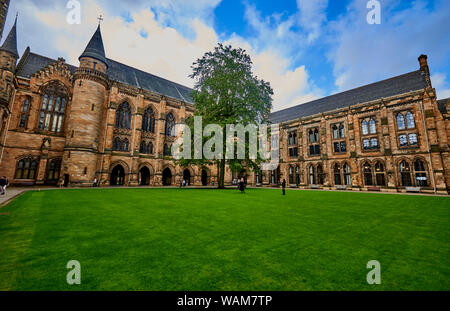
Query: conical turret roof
10, 43
95, 48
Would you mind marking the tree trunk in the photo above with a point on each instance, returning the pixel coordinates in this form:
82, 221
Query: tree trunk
221, 165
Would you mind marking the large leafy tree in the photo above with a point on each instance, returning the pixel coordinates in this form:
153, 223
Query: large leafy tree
227, 92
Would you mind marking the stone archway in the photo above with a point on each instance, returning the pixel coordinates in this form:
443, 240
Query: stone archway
144, 176
205, 178
187, 176
167, 177
117, 177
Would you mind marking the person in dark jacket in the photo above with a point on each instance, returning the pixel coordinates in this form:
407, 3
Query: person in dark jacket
283, 185
3, 184
242, 185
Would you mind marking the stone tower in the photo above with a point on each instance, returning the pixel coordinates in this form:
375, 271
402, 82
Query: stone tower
4, 5
8, 60
85, 116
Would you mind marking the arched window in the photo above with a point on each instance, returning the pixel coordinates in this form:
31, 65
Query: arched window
337, 175
400, 121
125, 145
379, 174
347, 175
372, 126
116, 144
146, 148
311, 136
26, 169
341, 131
25, 113
148, 121
335, 132
405, 174
54, 169
297, 175
143, 147
420, 173
364, 127
316, 135
166, 150
410, 123
320, 175
123, 116
51, 117
170, 125
312, 175
368, 180
291, 175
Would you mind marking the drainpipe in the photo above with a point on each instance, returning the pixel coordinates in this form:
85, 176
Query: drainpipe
7, 125
428, 145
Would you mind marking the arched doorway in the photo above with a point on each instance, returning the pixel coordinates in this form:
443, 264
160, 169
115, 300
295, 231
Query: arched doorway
144, 175
167, 177
204, 178
117, 176
187, 176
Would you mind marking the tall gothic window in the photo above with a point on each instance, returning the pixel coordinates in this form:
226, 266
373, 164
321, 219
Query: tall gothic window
368, 180
405, 174
297, 175
122, 145
364, 127
146, 148
51, 117
420, 173
372, 126
26, 168
410, 123
25, 113
401, 122
148, 121
53, 170
320, 174
291, 175
170, 125
312, 175
123, 116
379, 174
166, 150
347, 175
337, 174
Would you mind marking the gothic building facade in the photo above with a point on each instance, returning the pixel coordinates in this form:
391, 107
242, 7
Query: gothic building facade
108, 121
391, 135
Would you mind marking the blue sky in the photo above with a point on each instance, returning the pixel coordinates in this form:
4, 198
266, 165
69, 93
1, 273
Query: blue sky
305, 48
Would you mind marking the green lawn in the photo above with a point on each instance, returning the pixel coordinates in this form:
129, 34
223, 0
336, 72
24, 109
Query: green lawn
185, 239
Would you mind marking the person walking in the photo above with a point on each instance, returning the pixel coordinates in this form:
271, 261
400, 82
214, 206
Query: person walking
242, 185
283, 185
3, 184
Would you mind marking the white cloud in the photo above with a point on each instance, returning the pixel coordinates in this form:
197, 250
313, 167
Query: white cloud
363, 53
442, 86
166, 51
312, 16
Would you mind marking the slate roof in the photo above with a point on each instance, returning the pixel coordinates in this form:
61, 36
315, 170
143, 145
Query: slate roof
116, 72
10, 43
398, 85
442, 105
95, 48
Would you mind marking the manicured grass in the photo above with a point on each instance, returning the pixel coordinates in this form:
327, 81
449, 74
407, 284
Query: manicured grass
186, 239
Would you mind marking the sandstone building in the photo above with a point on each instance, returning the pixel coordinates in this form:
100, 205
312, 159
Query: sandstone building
108, 121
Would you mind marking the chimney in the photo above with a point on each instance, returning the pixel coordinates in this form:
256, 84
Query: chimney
425, 69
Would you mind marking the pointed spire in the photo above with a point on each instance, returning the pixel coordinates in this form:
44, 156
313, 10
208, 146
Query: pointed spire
95, 48
10, 43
